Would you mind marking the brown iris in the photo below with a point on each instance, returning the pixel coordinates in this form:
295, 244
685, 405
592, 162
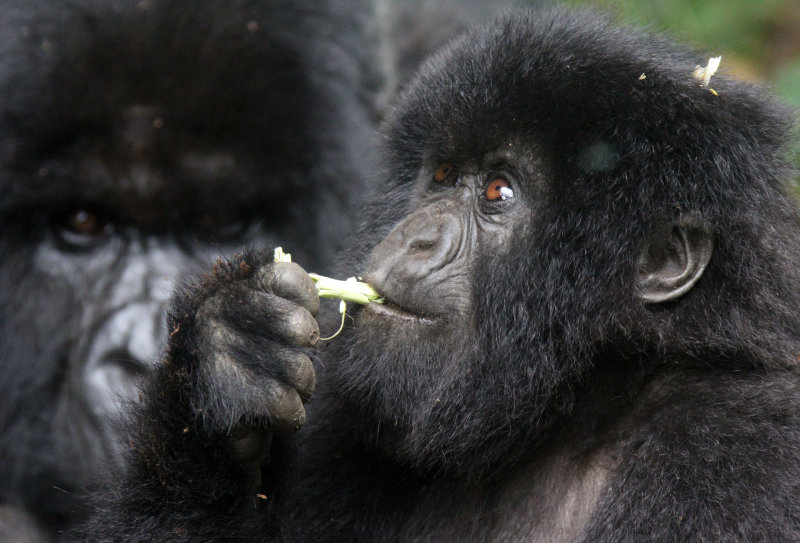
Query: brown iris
499, 189
446, 174
85, 223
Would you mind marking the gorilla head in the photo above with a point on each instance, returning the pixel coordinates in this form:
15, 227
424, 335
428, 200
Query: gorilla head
139, 140
580, 207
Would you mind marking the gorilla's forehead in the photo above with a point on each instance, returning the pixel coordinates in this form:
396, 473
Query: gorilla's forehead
152, 103
237, 72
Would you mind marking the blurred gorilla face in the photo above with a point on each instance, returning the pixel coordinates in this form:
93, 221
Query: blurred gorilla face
140, 141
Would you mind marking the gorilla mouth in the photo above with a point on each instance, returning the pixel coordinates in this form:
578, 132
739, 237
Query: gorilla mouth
392, 309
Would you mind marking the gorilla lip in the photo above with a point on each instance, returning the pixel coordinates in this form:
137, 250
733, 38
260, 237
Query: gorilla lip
391, 309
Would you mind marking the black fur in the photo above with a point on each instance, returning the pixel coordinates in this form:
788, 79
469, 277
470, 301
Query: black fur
193, 128
557, 405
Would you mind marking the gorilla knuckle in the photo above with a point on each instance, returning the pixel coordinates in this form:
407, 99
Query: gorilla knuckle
288, 280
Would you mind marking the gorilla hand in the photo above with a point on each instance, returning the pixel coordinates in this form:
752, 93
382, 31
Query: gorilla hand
250, 328
236, 373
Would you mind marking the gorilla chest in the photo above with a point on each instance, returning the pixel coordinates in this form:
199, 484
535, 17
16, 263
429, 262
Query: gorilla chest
550, 500
551, 503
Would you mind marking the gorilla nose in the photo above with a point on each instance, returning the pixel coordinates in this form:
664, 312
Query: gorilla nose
425, 242
114, 377
122, 350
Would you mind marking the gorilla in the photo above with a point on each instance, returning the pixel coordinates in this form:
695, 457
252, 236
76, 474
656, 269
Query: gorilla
140, 139
588, 257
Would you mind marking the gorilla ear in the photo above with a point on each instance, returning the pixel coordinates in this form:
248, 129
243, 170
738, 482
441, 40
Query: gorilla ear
675, 257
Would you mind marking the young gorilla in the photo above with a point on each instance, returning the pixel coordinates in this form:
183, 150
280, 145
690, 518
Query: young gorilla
589, 261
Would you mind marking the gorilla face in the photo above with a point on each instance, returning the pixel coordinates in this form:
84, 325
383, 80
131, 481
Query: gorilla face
91, 255
426, 267
118, 259
428, 352
464, 213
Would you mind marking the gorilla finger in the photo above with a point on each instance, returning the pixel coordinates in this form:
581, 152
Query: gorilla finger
290, 281
289, 322
286, 411
298, 372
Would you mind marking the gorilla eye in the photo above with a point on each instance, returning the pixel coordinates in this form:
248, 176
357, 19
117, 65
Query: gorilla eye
83, 228
446, 174
215, 228
84, 222
499, 189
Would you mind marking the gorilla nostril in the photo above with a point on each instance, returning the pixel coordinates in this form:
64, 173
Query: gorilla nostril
419, 246
112, 379
125, 362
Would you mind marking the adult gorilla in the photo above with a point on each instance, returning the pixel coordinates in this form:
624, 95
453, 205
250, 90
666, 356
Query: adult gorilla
590, 329
140, 139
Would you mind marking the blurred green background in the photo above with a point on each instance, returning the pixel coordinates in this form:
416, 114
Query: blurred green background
759, 40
